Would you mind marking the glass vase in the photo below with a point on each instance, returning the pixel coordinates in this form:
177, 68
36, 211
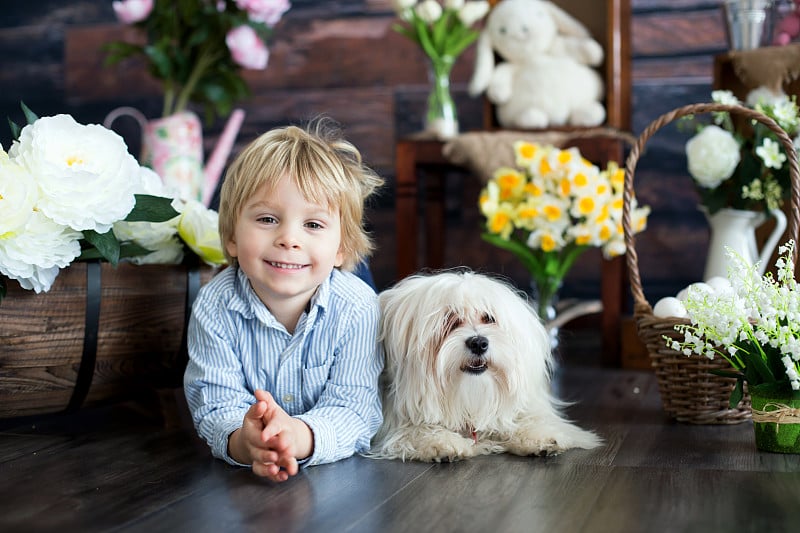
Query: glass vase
441, 120
544, 298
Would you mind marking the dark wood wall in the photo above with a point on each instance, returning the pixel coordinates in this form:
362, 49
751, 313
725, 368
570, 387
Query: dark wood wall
341, 58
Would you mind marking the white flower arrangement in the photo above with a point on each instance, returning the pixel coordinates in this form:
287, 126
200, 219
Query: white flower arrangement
754, 325
70, 192
743, 166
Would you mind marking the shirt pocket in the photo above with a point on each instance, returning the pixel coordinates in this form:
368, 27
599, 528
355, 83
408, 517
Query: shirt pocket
314, 381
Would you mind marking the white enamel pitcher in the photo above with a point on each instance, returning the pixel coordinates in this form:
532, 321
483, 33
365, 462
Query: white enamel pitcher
736, 229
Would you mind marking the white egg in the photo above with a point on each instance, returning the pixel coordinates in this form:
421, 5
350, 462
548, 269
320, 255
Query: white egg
694, 287
719, 284
670, 307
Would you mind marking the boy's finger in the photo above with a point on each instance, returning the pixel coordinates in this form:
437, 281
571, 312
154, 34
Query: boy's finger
256, 411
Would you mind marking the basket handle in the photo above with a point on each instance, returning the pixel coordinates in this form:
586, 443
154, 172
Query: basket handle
631, 257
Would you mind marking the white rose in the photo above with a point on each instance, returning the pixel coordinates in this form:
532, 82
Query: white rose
86, 176
712, 156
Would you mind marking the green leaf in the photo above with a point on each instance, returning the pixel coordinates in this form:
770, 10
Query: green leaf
726, 374
736, 394
15, 129
150, 208
105, 243
522, 252
30, 116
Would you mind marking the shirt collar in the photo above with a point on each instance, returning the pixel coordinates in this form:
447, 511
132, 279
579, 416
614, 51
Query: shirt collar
249, 305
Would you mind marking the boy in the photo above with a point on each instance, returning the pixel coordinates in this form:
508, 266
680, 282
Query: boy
284, 356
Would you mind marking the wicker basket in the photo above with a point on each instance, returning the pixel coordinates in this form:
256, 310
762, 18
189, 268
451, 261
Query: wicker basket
689, 392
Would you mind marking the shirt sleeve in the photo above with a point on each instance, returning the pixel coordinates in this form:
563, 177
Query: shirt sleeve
214, 384
348, 412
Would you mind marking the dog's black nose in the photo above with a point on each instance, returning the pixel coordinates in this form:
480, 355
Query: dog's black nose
478, 344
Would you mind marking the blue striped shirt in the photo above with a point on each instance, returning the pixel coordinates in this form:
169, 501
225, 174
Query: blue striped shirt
326, 374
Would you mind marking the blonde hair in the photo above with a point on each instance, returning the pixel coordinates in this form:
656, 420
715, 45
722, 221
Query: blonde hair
326, 169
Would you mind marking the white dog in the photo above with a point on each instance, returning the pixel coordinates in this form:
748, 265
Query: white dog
467, 373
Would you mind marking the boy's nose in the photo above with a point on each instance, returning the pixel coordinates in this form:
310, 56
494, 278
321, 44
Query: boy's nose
287, 239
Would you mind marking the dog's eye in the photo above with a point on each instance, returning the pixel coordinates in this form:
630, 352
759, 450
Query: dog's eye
452, 321
487, 319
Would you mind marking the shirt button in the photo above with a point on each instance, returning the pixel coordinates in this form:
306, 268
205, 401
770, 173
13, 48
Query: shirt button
288, 398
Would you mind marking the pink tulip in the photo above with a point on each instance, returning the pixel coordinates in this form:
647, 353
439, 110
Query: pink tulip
267, 11
132, 11
247, 49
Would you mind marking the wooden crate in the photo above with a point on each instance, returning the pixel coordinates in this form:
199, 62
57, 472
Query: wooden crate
71, 346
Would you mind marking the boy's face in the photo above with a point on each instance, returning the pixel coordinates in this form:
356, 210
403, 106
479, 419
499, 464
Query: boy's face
286, 245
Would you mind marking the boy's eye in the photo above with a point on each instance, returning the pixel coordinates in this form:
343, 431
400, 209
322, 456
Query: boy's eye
313, 225
267, 219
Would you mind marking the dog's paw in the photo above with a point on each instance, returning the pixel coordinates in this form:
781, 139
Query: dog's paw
445, 447
546, 439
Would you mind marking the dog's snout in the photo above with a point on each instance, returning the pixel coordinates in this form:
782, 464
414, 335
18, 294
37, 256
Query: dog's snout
478, 344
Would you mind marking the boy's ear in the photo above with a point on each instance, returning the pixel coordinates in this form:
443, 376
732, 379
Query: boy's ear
339, 258
230, 246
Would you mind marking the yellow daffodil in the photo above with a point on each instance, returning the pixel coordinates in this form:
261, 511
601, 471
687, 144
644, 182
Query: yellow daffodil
552, 207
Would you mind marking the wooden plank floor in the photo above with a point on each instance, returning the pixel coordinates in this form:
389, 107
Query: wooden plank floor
117, 468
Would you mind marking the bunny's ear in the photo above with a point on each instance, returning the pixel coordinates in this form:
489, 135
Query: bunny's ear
566, 23
484, 64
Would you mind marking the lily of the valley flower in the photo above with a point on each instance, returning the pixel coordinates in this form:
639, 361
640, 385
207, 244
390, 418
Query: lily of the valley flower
755, 325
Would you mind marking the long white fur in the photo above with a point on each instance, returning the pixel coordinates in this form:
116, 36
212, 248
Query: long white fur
431, 406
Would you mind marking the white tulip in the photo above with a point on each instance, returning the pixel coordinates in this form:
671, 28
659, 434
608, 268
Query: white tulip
429, 11
472, 12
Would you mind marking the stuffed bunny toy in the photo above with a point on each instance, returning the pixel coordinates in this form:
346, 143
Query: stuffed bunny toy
545, 77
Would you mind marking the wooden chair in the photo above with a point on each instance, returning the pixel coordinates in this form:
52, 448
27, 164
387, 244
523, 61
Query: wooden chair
609, 22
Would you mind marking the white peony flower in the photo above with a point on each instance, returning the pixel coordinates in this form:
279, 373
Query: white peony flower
199, 228
34, 256
18, 195
712, 156
85, 174
160, 237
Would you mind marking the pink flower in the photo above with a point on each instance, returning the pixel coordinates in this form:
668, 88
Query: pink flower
132, 11
246, 48
267, 11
